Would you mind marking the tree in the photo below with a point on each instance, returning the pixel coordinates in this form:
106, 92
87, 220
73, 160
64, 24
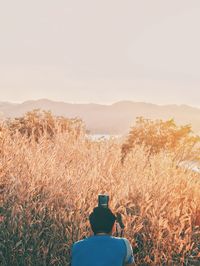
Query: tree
158, 135
39, 123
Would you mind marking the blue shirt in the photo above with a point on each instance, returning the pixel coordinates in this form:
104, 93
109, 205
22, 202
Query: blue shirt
101, 250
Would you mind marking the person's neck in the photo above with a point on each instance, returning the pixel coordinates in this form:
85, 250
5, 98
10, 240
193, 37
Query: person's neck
102, 234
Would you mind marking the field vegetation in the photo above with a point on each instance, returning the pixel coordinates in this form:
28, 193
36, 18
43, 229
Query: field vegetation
51, 174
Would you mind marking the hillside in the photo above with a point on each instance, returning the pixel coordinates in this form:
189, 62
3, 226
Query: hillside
111, 119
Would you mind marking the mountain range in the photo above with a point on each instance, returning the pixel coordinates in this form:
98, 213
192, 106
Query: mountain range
116, 118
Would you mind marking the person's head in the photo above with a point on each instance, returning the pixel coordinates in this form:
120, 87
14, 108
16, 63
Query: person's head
102, 220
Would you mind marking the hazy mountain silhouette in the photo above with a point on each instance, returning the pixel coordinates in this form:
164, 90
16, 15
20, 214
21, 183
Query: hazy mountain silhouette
111, 119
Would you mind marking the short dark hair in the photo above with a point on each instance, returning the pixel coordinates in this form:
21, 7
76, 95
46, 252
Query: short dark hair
102, 220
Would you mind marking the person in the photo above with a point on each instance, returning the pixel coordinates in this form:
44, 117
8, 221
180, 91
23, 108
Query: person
102, 249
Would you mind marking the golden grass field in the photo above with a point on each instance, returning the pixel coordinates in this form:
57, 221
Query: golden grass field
49, 185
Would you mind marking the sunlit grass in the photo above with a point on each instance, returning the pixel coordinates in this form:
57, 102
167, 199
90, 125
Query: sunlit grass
49, 185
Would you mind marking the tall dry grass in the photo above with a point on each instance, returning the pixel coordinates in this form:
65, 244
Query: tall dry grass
49, 185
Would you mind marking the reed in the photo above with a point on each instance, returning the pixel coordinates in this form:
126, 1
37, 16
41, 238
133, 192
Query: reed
49, 185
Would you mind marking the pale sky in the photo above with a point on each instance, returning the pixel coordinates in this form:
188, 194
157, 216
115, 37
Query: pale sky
100, 51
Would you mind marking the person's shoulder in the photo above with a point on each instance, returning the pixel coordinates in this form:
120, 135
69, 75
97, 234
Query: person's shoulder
79, 243
129, 251
125, 239
120, 239
126, 242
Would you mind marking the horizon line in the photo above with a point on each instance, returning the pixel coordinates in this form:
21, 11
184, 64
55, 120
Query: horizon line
100, 103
